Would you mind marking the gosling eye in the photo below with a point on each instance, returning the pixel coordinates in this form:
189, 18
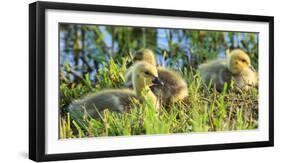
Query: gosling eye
243, 60
147, 73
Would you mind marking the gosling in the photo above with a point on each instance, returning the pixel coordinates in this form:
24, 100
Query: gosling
141, 55
235, 67
144, 75
174, 88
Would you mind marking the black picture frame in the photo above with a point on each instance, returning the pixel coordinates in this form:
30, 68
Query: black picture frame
37, 89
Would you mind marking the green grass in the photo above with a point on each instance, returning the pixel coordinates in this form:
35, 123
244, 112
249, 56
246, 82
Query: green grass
206, 110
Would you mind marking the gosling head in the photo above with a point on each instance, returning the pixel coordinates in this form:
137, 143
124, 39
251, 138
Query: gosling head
144, 55
238, 61
145, 74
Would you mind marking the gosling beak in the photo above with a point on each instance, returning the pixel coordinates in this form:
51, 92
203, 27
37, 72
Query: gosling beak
129, 63
157, 81
252, 68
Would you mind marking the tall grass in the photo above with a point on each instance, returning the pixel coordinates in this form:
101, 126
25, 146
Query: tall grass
206, 109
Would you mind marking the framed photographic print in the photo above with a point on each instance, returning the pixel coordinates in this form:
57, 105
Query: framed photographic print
111, 81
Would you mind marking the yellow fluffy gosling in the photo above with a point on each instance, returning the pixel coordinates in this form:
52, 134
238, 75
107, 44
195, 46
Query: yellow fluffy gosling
174, 88
144, 75
237, 67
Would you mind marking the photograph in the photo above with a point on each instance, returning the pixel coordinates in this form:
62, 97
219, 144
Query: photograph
133, 80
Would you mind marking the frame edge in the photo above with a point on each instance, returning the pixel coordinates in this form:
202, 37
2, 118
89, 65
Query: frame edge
271, 80
32, 82
36, 82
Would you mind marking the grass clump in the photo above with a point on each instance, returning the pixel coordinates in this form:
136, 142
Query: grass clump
206, 110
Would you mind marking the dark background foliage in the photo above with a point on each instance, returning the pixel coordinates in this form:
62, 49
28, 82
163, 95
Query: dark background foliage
84, 49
